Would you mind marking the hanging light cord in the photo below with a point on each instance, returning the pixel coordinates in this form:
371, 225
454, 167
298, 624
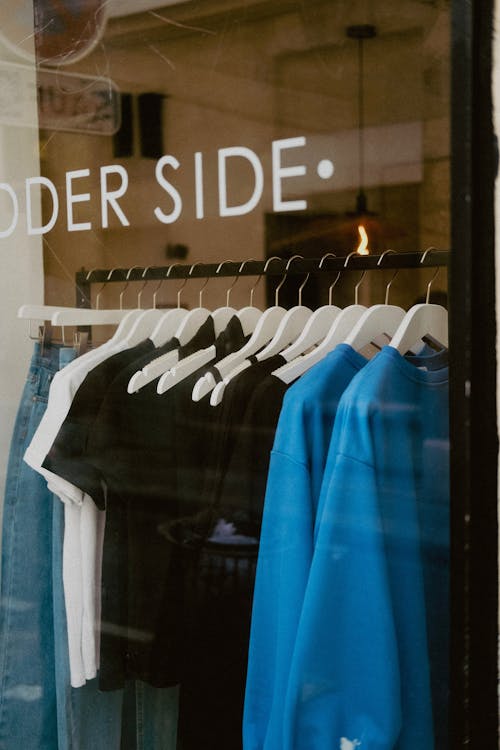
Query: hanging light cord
361, 105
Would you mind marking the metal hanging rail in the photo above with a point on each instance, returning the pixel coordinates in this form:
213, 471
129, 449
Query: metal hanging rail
269, 267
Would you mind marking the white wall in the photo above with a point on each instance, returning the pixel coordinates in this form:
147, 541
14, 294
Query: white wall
21, 271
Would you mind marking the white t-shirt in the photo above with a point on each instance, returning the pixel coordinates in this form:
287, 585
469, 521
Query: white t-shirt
84, 523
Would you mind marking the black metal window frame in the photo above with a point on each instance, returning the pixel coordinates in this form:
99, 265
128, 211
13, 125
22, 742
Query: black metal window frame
473, 414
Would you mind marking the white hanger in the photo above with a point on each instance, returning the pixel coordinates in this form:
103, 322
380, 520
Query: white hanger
343, 323
98, 316
422, 320
172, 317
136, 328
61, 315
195, 318
318, 325
74, 316
125, 326
169, 324
221, 317
289, 328
264, 331
139, 326
41, 312
378, 319
248, 317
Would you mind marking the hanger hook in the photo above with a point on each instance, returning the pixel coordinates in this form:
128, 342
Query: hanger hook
87, 277
302, 286
266, 265
176, 265
422, 259
228, 291
388, 287
276, 293
240, 269
200, 293
98, 295
139, 294
331, 287
127, 277
156, 292
356, 288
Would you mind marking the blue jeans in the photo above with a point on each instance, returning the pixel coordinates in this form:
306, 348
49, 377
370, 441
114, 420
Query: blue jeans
28, 704
149, 717
39, 710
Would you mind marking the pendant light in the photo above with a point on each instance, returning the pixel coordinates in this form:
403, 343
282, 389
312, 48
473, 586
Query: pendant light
361, 213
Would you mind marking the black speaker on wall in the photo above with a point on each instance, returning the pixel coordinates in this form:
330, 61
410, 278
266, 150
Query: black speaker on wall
123, 139
150, 108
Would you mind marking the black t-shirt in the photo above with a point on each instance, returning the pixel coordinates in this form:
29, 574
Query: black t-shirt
241, 497
221, 565
146, 452
72, 438
230, 419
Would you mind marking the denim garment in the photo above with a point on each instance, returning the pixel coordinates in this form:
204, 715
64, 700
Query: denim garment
28, 715
86, 718
149, 717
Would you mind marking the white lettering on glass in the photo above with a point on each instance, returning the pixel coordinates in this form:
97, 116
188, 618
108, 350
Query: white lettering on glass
170, 161
71, 198
111, 196
55, 205
280, 173
250, 156
198, 185
285, 164
15, 214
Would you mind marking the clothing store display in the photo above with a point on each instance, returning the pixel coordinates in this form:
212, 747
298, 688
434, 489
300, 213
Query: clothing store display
265, 573
123, 449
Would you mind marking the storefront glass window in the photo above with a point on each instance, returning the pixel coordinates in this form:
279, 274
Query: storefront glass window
226, 516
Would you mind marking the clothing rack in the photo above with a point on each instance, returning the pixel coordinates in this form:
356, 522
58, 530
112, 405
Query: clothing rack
270, 267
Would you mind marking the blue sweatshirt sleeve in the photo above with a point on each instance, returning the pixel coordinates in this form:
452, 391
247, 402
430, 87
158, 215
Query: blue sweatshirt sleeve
284, 557
344, 678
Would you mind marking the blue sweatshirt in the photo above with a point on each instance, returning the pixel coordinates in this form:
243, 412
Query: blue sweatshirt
374, 616
286, 543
